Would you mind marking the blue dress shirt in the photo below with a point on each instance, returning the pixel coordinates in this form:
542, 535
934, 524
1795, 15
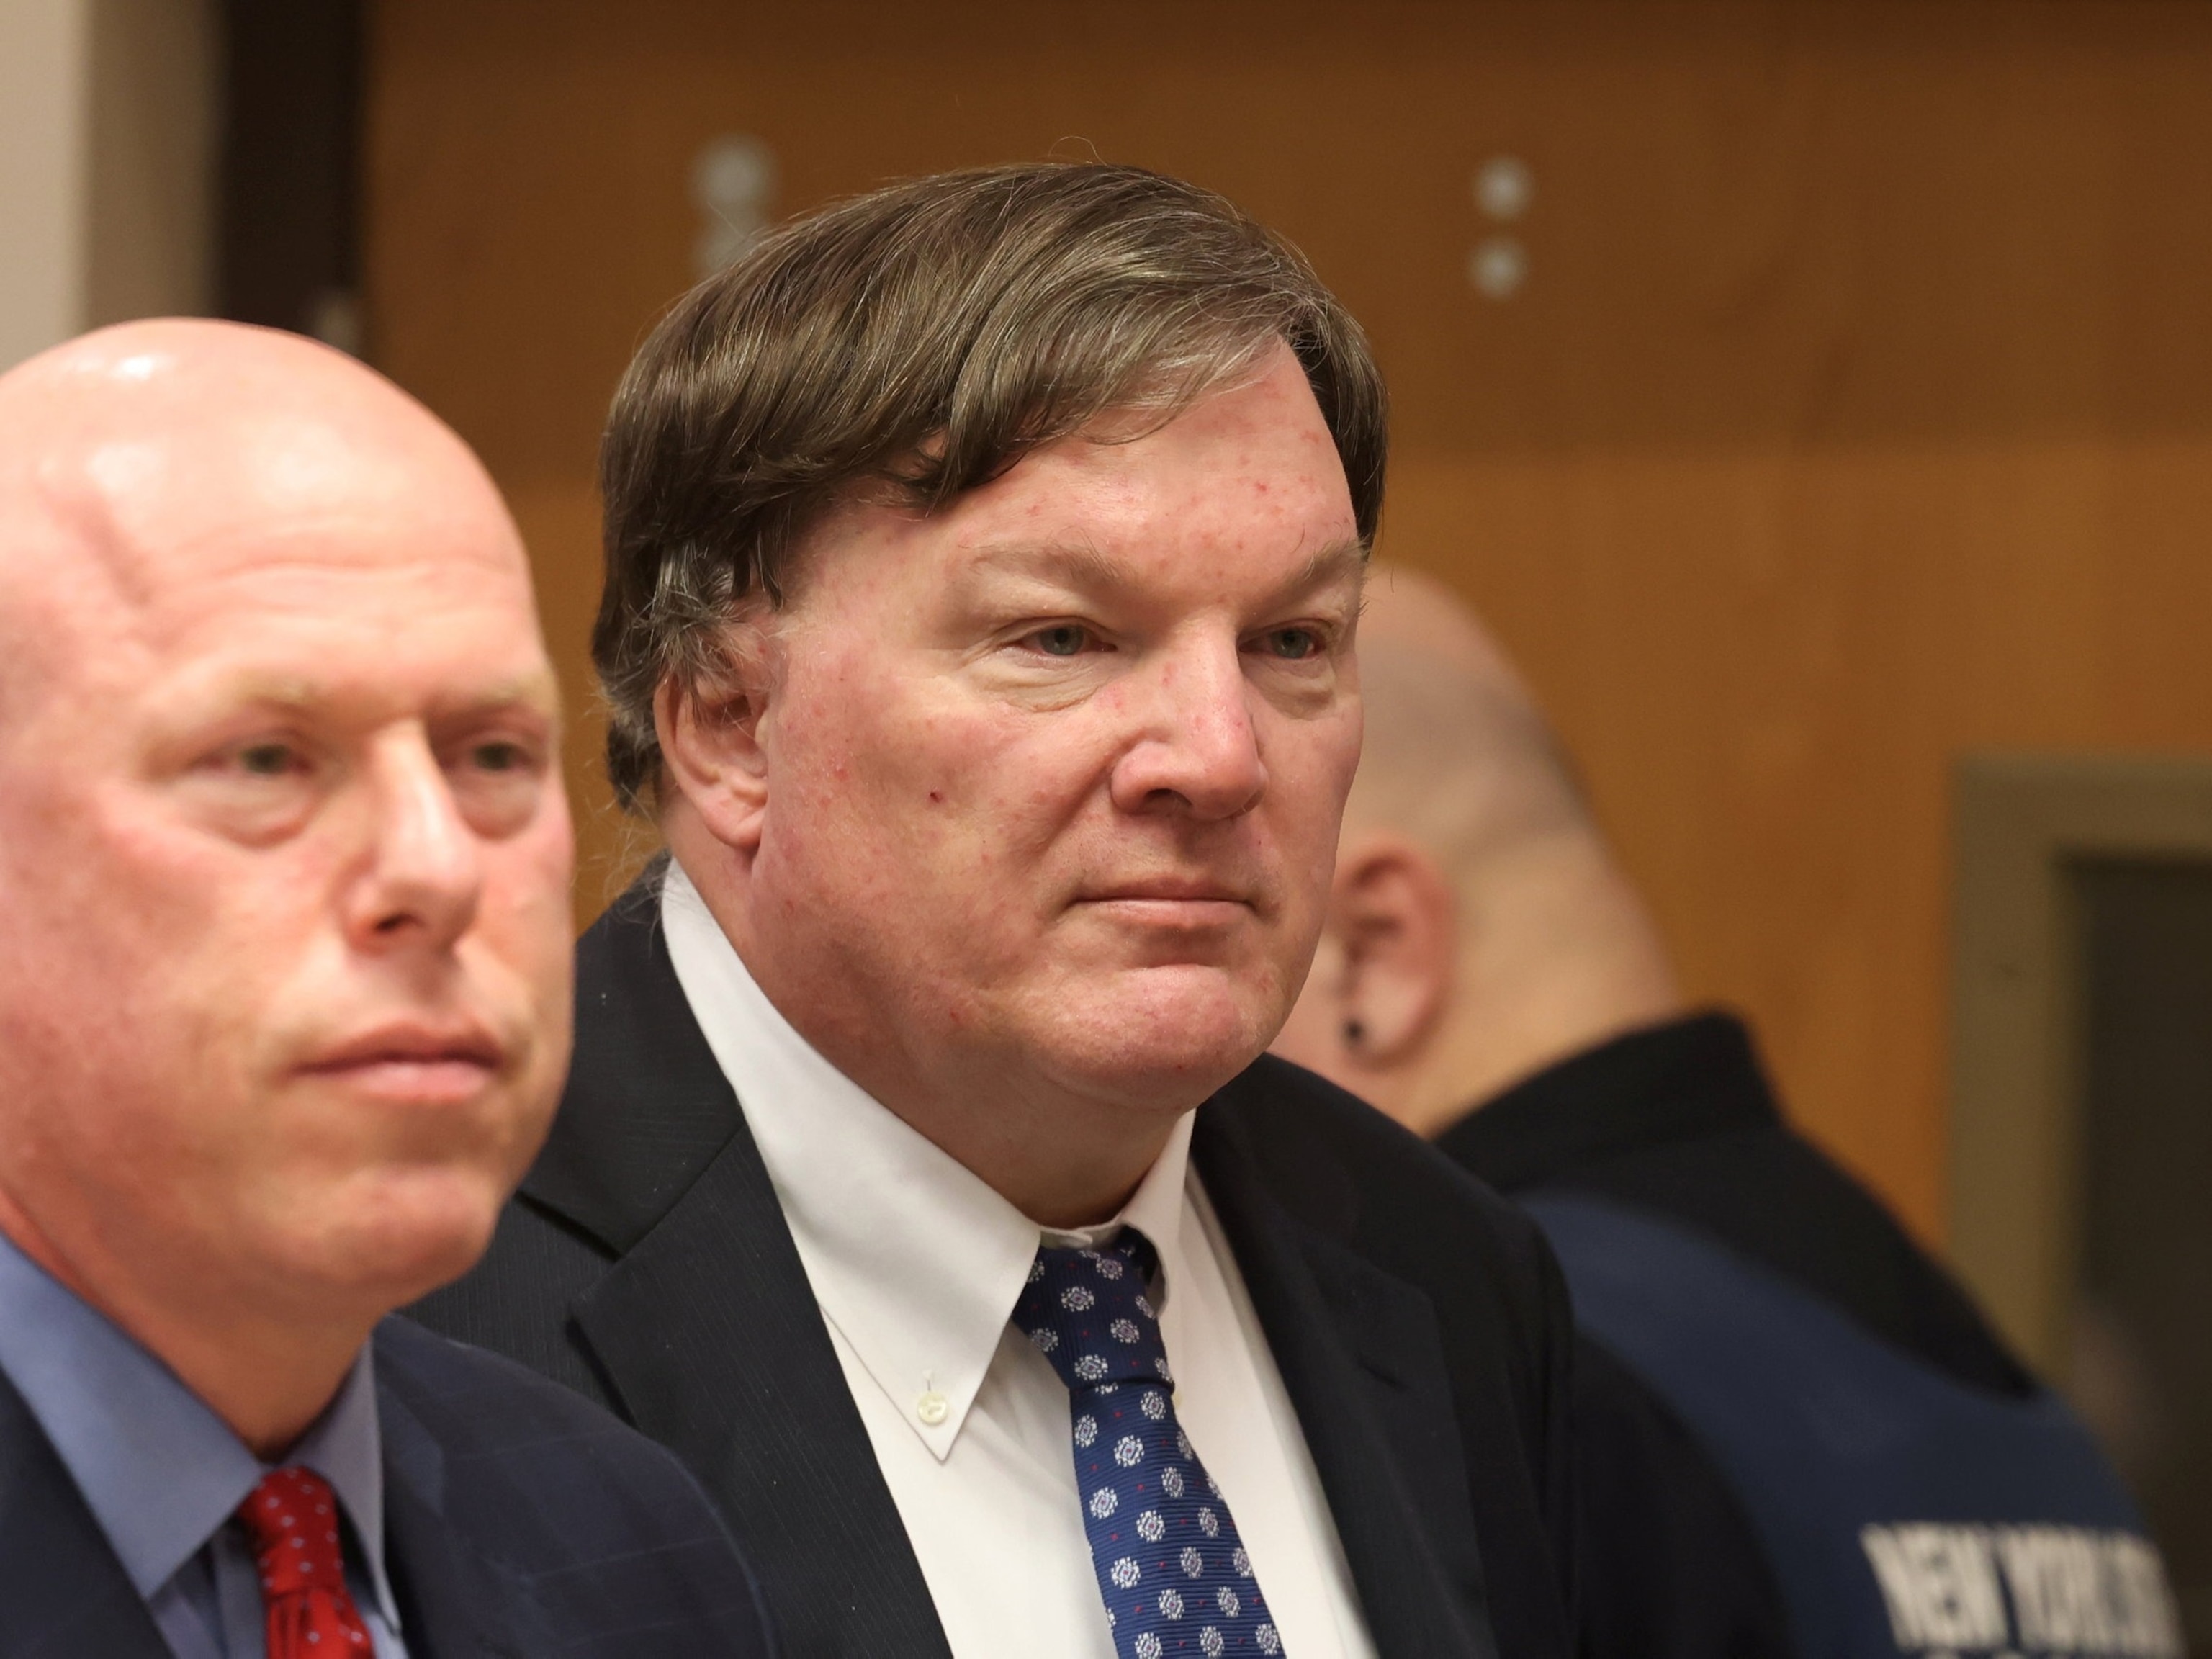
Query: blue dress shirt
163, 1473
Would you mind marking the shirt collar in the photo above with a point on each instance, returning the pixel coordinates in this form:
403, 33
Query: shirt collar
160, 1471
1155, 1209
920, 1274
346, 1447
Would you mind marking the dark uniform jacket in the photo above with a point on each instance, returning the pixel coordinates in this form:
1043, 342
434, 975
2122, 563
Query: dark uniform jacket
1417, 1323
1797, 1434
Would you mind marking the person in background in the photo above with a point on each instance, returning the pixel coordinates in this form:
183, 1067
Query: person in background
1796, 1435
284, 1009
984, 559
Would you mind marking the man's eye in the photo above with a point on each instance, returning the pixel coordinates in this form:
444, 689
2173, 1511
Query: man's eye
1061, 639
499, 757
268, 760
1293, 644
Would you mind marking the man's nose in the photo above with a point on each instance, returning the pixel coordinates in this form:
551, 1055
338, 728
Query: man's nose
425, 873
1199, 752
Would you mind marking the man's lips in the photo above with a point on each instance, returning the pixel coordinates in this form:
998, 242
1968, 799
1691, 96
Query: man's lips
1171, 901
413, 1061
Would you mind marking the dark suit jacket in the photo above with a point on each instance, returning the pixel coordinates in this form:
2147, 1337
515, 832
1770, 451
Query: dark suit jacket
519, 1522
1419, 1323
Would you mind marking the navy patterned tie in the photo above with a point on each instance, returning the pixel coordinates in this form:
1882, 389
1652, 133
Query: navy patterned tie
1175, 1577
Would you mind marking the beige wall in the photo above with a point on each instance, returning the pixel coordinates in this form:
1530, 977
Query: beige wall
108, 113
154, 128
46, 48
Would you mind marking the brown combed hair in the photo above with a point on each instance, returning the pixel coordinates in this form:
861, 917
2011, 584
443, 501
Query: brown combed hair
915, 343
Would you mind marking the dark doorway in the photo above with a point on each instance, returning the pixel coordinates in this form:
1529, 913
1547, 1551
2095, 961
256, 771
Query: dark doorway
290, 238
2143, 1347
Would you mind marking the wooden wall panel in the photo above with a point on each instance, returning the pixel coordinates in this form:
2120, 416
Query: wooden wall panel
1857, 411
1767, 659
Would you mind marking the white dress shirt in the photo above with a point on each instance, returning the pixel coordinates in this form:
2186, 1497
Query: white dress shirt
916, 1264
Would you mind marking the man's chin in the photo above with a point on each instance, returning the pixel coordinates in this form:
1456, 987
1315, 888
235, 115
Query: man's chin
400, 1235
1162, 1038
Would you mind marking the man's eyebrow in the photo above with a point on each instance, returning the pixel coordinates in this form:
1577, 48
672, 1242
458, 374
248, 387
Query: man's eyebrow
1091, 567
1085, 563
1337, 560
538, 689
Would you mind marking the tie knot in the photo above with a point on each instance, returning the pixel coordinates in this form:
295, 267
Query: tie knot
1089, 1313
293, 1519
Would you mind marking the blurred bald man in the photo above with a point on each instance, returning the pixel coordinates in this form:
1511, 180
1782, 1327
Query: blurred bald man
1797, 1436
283, 1014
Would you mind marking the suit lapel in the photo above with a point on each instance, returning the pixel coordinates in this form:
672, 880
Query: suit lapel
454, 1603
1360, 1356
706, 1324
63, 1593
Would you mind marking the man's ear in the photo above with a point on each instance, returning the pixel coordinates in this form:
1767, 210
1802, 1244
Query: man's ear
710, 731
1395, 915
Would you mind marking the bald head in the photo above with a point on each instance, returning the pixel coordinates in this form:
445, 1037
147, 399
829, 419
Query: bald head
1479, 927
226, 395
1456, 754
155, 454
283, 850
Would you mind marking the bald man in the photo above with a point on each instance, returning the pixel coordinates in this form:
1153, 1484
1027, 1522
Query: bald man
283, 1014
1796, 1437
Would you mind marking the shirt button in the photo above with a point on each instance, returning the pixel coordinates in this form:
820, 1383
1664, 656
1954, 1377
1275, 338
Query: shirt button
933, 1408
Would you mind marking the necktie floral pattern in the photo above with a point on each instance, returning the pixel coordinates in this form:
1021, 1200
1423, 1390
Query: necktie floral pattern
1175, 1579
292, 1517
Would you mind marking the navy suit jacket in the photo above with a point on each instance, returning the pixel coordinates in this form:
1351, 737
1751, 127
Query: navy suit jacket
1419, 1322
520, 1523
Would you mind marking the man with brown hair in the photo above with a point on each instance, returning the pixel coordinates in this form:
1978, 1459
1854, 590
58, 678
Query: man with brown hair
984, 564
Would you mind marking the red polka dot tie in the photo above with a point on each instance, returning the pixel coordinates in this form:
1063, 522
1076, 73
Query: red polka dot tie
293, 1518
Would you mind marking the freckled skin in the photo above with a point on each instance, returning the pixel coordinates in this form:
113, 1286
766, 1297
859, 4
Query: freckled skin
1029, 822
